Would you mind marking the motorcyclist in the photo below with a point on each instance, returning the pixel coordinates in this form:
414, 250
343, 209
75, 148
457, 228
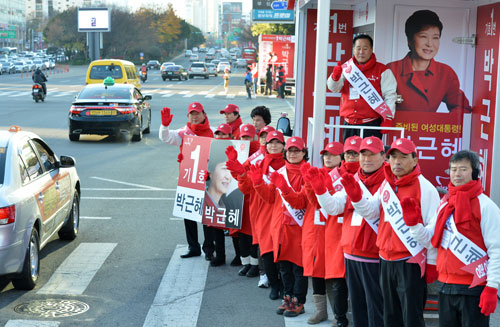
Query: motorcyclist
144, 68
39, 77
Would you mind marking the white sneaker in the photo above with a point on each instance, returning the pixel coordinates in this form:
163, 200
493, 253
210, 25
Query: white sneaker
263, 281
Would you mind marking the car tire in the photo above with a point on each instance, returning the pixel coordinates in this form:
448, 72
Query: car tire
28, 277
164, 78
215, 75
74, 137
170, 79
137, 137
206, 76
69, 231
36, 100
190, 77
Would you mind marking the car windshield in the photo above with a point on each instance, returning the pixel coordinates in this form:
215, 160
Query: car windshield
173, 68
3, 154
101, 93
103, 71
198, 65
19, 63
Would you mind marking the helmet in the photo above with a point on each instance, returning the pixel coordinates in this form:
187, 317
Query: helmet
144, 64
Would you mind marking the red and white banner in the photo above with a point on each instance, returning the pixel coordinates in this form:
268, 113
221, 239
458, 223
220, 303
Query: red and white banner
485, 88
276, 50
339, 50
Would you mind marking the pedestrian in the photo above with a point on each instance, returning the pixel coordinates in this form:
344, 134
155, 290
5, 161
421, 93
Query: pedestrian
269, 80
226, 80
359, 236
248, 82
199, 125
281, 82
285, 224
232, 116
403, 262
268, 160
261, 116
255, 77
467, 289
354, 109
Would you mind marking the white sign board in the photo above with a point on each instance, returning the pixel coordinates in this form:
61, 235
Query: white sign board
94, 20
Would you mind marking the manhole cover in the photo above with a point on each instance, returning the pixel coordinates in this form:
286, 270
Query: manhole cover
52, 308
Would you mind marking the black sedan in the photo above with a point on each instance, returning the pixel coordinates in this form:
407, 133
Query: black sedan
110, 109
174, 72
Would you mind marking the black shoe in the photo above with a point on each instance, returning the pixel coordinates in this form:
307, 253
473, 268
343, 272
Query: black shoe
342, 321
253, 271
275, 293
190, 254
218, 261
209, 257
243, 271
236, 261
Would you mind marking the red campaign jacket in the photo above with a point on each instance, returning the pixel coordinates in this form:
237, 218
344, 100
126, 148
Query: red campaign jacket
358, 109
235, 126
286, 238
425, 90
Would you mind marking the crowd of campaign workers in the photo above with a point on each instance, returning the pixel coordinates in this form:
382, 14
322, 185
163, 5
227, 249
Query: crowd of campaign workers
342, 224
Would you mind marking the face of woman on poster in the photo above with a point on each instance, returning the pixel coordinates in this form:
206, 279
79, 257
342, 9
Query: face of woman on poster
220, 179
426, 43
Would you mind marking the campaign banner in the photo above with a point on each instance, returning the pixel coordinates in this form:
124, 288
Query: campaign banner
276, 50
485, 89
437, 137
223, 201
191, 183
339, 50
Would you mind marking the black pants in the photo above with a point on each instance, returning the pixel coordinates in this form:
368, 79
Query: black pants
214, 241
294, 282
404, 293
366, 297
249, 92
271, 269
348, 132
44, 88
246, 246
269, 87
191, 228
457, 310
281, 91
236, 245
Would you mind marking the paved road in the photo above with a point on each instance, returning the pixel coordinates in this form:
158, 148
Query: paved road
124, 267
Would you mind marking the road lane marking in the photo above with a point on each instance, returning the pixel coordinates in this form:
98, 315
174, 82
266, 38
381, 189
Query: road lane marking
62, 94
32, 323
184, 92
242, 93
209, 95
167, 95
230, 96
188, 95
130, 184
78, 269
121, 198
203, 93
178, 299
14, 94
165, 92
96, 218
222, 93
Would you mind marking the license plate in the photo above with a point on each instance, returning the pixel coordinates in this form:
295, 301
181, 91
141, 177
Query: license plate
169, 73
103, 112
35, 91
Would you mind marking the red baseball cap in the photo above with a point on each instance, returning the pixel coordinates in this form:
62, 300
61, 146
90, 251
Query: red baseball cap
334, 148
406, 146
230, 108
266, 129
195, 106
275, 135
352, 143
224, 129
247, 130
373, 144
295, 141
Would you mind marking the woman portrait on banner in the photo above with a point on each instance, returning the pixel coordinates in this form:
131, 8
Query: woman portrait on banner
423, 82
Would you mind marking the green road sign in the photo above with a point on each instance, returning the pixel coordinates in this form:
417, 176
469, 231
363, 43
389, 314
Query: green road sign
8, 34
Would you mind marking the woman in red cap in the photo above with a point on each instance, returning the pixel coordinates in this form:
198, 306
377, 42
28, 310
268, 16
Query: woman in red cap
232, 115
286, 222
268, 160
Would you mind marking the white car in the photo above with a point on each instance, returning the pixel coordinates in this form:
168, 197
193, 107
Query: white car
212, 69
39, 197
221, 67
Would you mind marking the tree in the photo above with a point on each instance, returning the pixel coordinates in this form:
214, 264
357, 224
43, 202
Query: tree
168, 28
277, 29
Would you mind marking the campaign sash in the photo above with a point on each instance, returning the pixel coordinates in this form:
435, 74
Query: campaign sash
366, 89
472, 256
320, 216
393, 213
297, 215
186, 131
356, 217
255, 157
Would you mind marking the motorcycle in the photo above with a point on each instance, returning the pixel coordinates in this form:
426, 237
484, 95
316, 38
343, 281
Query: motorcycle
37, 92
144, 76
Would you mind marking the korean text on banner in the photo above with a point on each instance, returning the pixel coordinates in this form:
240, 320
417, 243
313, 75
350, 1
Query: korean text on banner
191, 185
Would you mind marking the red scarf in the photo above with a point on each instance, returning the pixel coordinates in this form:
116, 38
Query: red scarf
403, 181
349, 167
463, 204
235, 125
294, 175
254, 147
274, 160
363, 239
202, 129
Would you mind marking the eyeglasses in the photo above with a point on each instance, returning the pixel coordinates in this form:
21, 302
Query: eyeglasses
294, 150
351, 154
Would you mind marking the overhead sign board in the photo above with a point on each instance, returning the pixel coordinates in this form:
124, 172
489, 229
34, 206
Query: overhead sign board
270, 15
94, 20
8, 34
278, 5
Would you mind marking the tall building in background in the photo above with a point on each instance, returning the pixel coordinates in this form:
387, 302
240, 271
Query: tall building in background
12, 23
38, 9
231, 19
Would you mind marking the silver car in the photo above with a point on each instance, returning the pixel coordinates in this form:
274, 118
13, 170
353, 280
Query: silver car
20, 66
39, 196
212, 69
198, 68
